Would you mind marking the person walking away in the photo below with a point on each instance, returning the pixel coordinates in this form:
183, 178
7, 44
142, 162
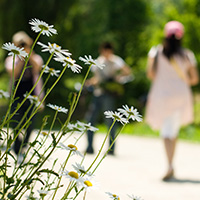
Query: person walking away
172, 70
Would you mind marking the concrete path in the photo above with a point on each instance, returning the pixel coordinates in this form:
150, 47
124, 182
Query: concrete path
138, 167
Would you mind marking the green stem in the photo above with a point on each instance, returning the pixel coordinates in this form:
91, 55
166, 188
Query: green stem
79, 94
11, 95
17, 168
66, 191
63, 167
26, 62
18, 107
78, 193
84, 197
46, 158
108, 149
38, 106
102, 145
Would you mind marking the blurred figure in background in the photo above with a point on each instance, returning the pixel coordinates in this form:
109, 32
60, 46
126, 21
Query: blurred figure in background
172, 70
21, 39
107, 86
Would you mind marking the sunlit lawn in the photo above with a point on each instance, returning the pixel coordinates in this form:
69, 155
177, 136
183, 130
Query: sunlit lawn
189, 133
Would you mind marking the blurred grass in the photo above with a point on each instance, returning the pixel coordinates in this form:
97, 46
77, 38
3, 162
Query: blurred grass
190, 133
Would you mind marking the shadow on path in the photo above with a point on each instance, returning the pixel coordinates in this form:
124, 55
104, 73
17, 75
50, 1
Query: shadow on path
177, 180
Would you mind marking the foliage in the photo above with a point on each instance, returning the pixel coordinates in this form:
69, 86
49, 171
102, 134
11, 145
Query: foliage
132, 26
83, 25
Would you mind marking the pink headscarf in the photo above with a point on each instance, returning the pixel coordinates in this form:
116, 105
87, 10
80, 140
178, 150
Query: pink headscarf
174, 28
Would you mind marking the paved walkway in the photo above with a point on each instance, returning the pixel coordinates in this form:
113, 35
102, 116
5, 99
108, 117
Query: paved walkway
138, 166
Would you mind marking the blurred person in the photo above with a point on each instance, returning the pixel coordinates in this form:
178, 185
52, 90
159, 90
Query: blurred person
173, 71
107, 87
30, 76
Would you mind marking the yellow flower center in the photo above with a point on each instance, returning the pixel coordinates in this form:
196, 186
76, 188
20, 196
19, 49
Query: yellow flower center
114, 195
130, 112
44, 133
55, 44
73, 174
88, 183
43, 27
51, 69
71, 146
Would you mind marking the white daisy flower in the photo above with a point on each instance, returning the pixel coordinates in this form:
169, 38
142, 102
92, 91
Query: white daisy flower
72, 175
81, 169
130, 113
4, 94
42, 193
54, 48
116, 116
87, 126
58, 108
133, 197
51, 71
71, 148
65, 60
33, 99
14, 50
38, 25
113, 196
75, 68
90, 61
88, 183
75, 127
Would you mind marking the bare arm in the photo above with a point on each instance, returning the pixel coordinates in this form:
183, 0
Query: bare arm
17, 66
150, 68
193, 76
124, 74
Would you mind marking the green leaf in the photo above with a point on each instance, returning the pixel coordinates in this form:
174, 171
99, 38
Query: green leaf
10, 180
38, 179
54, 139
49, 171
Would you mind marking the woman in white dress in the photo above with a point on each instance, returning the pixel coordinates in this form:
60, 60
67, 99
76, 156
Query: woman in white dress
172, 70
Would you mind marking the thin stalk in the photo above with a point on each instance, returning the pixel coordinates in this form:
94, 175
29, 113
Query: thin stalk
108, 149
63, 167
66, 191
17, 168
34, 88
38, 106
87, 73
26, 62
46, 158
78, 193
84, 197
11, 95
102, 145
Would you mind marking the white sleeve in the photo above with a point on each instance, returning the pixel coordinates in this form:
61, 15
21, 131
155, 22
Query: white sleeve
153, 51
9, 62
191, 58
119, 62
